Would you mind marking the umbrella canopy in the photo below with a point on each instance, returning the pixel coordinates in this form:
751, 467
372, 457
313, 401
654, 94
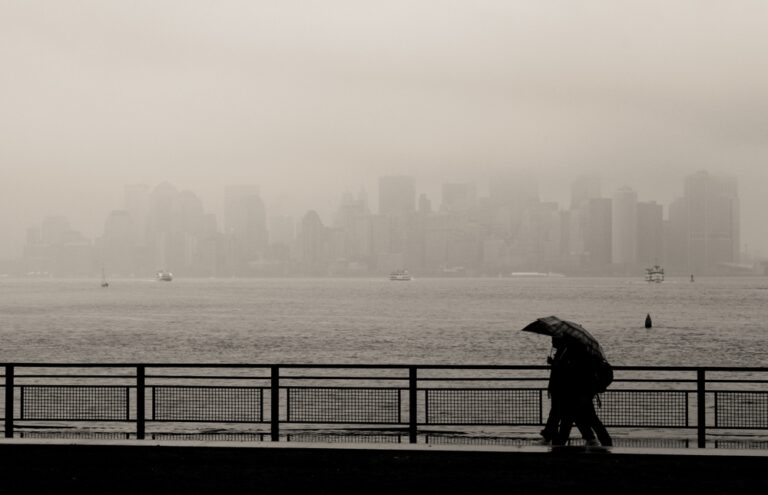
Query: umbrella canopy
573, 332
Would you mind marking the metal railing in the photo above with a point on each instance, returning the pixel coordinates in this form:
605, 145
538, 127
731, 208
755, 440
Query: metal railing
407, 401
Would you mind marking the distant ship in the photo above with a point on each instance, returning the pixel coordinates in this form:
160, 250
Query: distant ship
400, 275
164, 276
654, 274
536, 274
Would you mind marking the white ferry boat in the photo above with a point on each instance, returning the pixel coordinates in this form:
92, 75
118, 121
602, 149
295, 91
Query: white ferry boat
400, 275
654, 274
164, 276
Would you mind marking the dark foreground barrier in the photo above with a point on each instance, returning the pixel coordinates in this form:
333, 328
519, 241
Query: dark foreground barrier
144, 468
382, 403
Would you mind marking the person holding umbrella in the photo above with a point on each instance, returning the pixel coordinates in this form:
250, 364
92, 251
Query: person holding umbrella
571, 386
559, 390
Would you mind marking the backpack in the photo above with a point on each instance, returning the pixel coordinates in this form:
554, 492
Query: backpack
602, 375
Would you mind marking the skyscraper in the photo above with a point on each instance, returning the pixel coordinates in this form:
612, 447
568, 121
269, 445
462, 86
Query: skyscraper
137, 206
650, 233
245, 221
117, 249
584, 188
598, 237
624, 227
458, 197
713, 233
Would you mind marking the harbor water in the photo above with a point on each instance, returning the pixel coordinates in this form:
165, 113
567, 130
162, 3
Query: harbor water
712, 322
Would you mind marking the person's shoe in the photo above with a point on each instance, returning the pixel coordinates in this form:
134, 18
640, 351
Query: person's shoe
546, 435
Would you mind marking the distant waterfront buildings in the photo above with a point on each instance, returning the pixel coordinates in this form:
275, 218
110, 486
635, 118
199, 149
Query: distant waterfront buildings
467, 234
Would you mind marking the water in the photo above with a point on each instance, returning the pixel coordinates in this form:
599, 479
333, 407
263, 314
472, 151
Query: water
712, 322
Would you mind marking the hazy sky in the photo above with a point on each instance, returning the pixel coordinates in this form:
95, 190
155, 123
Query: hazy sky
311, 98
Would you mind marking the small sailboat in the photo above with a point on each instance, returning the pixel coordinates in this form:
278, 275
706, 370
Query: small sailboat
104, 283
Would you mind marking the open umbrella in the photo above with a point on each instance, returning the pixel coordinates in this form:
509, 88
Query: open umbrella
555, 327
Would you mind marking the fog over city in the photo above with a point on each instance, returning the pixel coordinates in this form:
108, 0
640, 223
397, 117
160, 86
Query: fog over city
312, 99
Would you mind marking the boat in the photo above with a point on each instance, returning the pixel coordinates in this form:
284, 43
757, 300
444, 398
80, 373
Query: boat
104, 282
536, 274
164, 276
400, 275
654, 274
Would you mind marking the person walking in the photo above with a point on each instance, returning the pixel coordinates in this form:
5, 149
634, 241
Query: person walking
563, 402
577, 405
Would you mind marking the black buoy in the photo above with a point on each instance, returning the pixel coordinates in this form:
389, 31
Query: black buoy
648, 323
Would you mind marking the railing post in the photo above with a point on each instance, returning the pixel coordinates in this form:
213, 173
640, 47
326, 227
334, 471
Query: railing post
701, 395
412, 404
274, 415
9, 389
140, 405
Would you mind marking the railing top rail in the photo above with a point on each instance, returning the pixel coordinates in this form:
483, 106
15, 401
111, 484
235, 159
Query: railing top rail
369, 366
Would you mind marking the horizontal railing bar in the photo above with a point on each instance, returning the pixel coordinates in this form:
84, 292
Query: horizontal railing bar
76, 376
341, 388
371, 366
341, 377
229, 387
207, 377
489, 379
655, 380
217, 421
69, 385
400, 378
736, 381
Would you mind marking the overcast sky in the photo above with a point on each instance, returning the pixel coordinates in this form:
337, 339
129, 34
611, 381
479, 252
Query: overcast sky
312, 98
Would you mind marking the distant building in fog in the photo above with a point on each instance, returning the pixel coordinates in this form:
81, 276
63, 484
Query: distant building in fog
137, 206
624, 228
314, 245
458, 197
598, 237
245, 223
118, 244
650, 233
583, 189
712, 220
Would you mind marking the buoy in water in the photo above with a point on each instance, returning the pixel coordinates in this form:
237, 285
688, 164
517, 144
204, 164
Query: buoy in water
648, 322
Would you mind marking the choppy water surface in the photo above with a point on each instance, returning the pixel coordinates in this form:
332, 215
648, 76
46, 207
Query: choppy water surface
426, 321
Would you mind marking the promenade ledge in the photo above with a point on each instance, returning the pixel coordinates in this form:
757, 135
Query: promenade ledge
193, 467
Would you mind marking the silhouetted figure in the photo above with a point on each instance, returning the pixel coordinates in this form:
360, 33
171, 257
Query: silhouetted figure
560, 391
648, 322
576, 389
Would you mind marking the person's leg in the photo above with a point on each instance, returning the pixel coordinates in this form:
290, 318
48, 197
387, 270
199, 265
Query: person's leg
590, 418
553, 420
599, 427
568, 412
583, 418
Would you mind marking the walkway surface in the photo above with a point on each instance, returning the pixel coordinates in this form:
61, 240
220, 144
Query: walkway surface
147, 467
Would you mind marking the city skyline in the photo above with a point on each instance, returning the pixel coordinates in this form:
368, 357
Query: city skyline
508, 228
300, 98
89, 216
